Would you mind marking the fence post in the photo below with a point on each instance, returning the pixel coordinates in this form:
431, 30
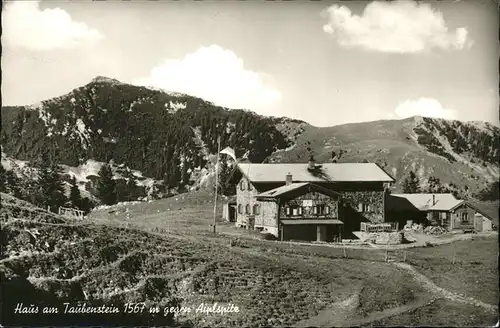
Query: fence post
454, 257
404, 256
386, 255
345, 253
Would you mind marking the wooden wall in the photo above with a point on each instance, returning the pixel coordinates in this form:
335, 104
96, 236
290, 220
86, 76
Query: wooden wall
315, 198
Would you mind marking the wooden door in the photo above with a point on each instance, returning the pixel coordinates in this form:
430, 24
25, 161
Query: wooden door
478, 223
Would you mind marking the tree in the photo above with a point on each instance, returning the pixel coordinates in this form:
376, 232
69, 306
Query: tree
9, 182
55, 187
106, 186
225, 185
435, 186
131, 185
411, 184
75, 197
491, 192
171, 178
184, 175
49, 187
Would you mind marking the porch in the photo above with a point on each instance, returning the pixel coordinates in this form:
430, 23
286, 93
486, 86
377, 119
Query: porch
323, 230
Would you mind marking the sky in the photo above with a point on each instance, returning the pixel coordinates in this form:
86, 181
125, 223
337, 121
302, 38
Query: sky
323, 62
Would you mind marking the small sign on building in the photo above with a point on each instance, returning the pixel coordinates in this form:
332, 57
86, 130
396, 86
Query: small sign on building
307, 203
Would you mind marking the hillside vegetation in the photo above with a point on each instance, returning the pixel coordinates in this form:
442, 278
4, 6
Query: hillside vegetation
155, 132
48, 260
171, 139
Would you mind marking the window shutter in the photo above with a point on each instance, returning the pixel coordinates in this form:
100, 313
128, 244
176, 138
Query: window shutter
300, 210
360, 207
327, 209
315, 210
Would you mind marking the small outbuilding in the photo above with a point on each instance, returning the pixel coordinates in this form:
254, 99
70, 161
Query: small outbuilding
439, 209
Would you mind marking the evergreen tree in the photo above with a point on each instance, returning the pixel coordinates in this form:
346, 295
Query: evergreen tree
3, 178
225, 185
55, 187
491, 192
86, 205
75, 197
106, 186
411, 184
435, 186
184, 175
48, 190
9, 182
131, 185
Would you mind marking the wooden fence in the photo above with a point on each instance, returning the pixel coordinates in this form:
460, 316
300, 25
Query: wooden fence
379, 227
71, 212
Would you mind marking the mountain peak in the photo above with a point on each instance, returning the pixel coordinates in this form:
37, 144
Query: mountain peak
105, 79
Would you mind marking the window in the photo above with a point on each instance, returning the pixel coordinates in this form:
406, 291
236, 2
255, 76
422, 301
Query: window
247, 209
465, 217
242, 185
240, 209
256, 209
321, 209
249, 186
293, 210
364, 207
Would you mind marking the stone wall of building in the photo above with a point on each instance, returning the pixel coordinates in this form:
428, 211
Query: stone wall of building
245, 196
264, 217
369, 205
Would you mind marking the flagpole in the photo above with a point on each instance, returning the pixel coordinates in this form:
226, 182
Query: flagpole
216, 182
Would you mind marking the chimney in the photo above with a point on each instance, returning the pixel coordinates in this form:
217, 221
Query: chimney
433, 200
288, 179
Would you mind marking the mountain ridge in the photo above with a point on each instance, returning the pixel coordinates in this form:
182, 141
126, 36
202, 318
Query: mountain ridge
167, 134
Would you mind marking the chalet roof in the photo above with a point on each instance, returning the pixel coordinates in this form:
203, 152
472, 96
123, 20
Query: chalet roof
283, 190
328, 172
424, 202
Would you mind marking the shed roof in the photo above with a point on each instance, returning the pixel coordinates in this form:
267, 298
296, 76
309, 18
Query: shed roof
328, 172
424, 202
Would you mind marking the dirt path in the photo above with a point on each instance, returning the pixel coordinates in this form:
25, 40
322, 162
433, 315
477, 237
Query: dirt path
345, 313
433, 288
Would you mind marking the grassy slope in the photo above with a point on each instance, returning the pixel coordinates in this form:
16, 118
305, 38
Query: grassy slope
272, 283
442, 313
474, 273
116, 265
